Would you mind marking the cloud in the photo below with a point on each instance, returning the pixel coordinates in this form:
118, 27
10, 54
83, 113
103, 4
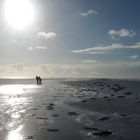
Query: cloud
41, 47
121, 33
88, 13
90, 61
31, 48
106, 49
126, 69
45, 35
17, 67
134, 56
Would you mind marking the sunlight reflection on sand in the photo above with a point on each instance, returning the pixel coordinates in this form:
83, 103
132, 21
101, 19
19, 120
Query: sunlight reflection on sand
15, 89
15, 134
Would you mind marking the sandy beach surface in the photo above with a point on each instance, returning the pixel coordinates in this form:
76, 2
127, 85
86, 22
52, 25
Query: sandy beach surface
70, 109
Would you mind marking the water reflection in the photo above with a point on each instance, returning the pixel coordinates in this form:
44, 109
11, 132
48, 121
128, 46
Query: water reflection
11, 89
13, 101
15, 134
15, 115
15, 89
14, 107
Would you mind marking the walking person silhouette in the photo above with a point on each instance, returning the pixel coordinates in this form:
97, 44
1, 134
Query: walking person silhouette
38, 80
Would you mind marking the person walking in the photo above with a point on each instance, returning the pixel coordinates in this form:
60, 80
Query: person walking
37, 80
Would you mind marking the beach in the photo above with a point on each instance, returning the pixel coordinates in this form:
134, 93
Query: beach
72, 109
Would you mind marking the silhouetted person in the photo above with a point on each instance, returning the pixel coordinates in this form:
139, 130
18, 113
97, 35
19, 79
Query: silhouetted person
40, 80
37, 80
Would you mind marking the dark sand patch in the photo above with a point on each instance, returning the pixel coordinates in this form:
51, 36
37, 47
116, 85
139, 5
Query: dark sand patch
42, 118
53, 130
55, 115
104, 118
119, 104
72, 113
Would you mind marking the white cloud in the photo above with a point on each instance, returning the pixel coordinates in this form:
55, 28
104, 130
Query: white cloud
45, 35
90, 61
17, 67
98, 69
121, 33
31, 48
41, 47
107, 49
89, 12
134, 56
126, 69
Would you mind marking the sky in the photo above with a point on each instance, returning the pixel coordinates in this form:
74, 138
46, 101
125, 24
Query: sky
71, 38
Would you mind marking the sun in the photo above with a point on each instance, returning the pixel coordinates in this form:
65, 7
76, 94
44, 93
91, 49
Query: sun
19, 14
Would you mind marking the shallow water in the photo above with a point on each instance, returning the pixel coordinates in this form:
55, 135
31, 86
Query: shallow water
26, 113
40, 112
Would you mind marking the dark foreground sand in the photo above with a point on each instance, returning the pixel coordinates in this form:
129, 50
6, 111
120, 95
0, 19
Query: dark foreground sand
68, 109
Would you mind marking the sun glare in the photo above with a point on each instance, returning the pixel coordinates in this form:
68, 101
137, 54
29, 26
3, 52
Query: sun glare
19, 14
15, 134
11, 89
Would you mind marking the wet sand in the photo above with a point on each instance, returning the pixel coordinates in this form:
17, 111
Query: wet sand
69, 109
